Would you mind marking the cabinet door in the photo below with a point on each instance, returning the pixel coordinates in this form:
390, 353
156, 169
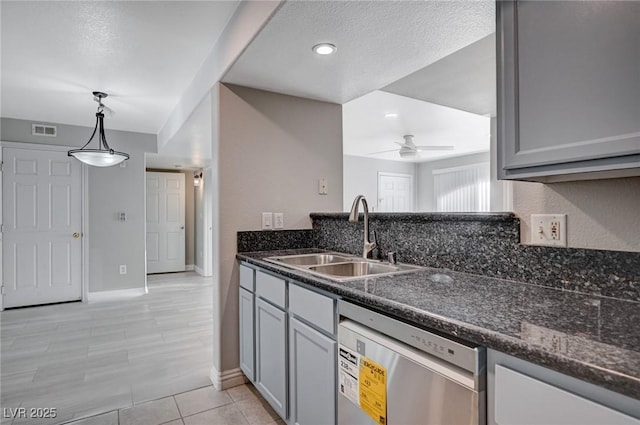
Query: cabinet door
246, 309
312, 367
271, 355
515, 391
569, 88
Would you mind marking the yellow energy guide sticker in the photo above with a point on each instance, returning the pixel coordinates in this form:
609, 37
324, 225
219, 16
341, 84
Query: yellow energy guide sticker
373, 390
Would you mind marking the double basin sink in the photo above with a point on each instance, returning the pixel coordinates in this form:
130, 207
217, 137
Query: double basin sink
340, 267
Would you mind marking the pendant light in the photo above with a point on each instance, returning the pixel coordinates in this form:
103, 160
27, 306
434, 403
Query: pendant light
104, 156
197, 178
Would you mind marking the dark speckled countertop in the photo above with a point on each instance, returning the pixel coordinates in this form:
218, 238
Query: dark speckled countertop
592, 338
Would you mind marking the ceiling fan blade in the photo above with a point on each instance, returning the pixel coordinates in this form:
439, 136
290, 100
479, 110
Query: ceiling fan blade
434, 148
376, 153
404, 145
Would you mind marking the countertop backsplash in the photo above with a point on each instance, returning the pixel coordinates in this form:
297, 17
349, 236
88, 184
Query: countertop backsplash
483, 244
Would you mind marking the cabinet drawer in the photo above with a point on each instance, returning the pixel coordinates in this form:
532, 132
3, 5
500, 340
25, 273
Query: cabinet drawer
313, 307
515, 392
271, 288
246, 278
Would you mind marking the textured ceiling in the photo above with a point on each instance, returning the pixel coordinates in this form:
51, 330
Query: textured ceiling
378, 43
143, 53
464, 80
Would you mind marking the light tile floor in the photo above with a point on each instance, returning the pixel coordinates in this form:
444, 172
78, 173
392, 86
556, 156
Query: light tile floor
85, 359
204, 406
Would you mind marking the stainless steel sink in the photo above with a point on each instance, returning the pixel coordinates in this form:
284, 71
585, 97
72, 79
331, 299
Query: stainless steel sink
355, 268
309, 259
340, 267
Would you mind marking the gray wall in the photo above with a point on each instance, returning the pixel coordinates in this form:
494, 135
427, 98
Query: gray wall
601, 214
111, 190
361, 178
189, 213
270, 150
425, 176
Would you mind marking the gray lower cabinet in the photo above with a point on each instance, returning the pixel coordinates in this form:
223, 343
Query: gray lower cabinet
568, 89
288, 345
246, 310
312, 363
271, 355
520, 392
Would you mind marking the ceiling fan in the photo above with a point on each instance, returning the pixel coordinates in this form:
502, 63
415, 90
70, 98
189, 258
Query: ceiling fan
409, 149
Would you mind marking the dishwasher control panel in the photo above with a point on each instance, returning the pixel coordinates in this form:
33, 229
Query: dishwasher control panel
470, 358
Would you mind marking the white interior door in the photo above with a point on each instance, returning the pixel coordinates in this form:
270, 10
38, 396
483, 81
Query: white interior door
165, 222
395, 192
42, 221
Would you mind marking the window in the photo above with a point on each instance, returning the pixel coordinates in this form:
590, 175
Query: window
462, 189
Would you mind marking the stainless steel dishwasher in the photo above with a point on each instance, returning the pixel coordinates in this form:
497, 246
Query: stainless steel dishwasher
390, 372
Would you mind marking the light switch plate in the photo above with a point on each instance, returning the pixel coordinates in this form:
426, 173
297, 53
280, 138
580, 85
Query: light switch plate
549, 229
323, 186
267, 221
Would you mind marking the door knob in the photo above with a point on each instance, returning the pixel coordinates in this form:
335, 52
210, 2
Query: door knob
181, 227
76, 235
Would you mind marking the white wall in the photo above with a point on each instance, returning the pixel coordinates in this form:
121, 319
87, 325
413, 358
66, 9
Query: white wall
111, 190
270, 150
425, 176
601, 214
361, 177
199, 226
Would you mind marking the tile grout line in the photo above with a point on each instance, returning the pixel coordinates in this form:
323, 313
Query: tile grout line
177, 406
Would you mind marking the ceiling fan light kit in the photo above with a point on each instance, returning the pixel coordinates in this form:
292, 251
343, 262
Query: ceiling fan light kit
408, 149
104, 156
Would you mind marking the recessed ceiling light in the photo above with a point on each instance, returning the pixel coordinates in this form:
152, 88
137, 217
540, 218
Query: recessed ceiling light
324, 48
391, 115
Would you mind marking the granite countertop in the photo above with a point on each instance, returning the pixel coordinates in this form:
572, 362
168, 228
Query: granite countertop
592, 338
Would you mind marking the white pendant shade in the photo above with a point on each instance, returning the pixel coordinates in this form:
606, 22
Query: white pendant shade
99, 158
104, 156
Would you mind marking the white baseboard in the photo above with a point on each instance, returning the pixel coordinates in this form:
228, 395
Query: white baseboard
115, 295
226, 379
189, 267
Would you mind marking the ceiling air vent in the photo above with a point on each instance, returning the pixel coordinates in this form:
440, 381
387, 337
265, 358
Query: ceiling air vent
44, 130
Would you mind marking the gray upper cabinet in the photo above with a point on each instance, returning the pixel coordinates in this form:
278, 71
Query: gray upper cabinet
568, 89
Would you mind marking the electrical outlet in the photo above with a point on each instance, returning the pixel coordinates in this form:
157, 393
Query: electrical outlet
267, 221
278, 220
549, 229
323, 186
123, 269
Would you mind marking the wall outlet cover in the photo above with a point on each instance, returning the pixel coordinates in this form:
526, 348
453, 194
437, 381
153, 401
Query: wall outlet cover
549, 229
278, 220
